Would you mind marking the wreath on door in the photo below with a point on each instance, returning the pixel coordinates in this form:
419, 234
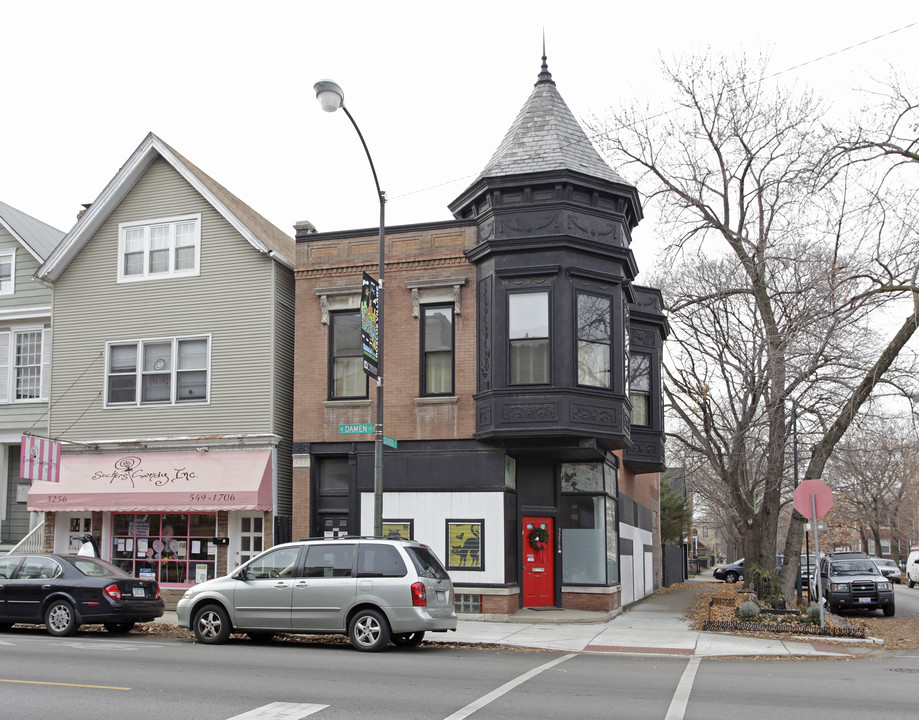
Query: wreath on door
539, 538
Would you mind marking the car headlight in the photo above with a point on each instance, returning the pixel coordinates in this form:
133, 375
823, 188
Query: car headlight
839, 587
885, 586
188, 593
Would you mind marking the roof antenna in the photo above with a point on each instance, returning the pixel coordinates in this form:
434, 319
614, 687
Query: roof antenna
545, 77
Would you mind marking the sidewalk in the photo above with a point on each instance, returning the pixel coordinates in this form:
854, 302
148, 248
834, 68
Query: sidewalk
653, 626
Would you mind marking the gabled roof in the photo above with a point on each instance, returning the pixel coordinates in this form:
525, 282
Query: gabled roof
37, 237
546, 137
258, 231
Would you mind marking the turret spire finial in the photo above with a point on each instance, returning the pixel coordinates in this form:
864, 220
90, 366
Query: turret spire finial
545, 77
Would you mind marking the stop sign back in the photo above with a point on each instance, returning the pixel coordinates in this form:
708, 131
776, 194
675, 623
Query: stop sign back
823, 498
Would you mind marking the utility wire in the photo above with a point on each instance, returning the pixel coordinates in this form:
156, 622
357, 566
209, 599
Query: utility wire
672, 110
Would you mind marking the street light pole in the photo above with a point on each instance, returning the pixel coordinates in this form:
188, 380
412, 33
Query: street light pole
331, 97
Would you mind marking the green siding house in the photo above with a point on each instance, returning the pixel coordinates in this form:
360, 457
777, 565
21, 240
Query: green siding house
172, 375
25, 321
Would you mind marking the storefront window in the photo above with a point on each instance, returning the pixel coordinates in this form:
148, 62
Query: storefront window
169, 548
583, 539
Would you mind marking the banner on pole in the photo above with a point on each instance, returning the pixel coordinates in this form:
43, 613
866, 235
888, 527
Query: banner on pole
370, 328
40, 459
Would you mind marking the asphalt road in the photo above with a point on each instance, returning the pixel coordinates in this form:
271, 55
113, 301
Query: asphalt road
93, 675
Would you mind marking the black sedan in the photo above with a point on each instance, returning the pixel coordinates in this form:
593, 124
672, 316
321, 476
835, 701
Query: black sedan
63, 592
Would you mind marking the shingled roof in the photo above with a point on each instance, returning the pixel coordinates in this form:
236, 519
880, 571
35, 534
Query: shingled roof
546, 137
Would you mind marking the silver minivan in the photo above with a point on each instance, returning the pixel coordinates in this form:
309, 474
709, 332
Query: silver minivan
373, 590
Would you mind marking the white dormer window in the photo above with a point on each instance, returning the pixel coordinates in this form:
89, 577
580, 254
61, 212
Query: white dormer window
6, 272
163, 248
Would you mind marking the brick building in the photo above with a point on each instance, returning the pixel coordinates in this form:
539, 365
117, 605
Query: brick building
522, 379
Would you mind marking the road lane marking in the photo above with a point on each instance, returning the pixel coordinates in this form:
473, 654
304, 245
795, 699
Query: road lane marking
281, 711
681, 696
41, 682
505, 688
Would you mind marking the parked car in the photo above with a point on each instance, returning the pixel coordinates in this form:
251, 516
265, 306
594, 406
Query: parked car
63, 592
808, 567
735, 571
850, 581
912, 568
888, 568
371, 589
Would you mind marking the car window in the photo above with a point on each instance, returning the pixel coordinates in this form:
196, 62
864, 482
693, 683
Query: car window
8, 565
426, 563
379, 561
276, 563
853, 568
95, 567
38, 568
324, 560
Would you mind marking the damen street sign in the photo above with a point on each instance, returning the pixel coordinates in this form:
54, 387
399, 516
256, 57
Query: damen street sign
360, 428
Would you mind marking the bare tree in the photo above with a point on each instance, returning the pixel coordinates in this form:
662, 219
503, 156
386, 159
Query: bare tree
779, 260
873, 471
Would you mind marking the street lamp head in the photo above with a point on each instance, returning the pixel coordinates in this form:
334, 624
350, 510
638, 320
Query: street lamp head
330, 95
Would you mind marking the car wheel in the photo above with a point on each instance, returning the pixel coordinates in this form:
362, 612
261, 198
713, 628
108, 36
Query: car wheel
407, 639
889, 610
368, 630
730, 577
212, 625
260, 637
60, 619
119, 628
909, 582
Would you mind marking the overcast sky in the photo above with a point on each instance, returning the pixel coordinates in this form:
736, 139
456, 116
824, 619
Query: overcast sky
433, 86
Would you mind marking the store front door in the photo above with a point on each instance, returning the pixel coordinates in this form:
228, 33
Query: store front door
250, 537
538, 562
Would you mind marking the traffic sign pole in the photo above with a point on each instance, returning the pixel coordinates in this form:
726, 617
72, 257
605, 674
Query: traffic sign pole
817, 551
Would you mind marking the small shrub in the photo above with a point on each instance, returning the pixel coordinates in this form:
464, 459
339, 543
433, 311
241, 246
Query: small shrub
766, 585
813, 612
748, 609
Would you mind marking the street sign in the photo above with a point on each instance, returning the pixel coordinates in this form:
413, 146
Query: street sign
821, 494
356, 429
390, 442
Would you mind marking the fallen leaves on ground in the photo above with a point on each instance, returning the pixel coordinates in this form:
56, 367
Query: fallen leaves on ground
897, 633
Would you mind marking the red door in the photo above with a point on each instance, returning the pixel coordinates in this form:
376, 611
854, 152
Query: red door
538, 562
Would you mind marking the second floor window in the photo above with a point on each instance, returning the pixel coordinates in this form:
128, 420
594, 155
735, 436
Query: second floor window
594, 318
28, 365
169, 247
158, 372
528, 334
25, 364
437, 353
346, 359
640, 388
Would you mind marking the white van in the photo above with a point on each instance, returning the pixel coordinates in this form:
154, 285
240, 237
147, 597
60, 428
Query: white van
912, 568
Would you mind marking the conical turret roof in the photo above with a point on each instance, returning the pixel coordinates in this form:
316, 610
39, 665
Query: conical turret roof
546, 137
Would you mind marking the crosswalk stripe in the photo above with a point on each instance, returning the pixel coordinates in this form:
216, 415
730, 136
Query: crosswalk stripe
281, 711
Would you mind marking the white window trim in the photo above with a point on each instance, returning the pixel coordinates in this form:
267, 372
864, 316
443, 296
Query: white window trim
8, 364
12, 255
147, 224
138, 372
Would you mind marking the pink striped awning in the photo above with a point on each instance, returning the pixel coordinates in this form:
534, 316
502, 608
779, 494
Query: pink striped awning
159, 482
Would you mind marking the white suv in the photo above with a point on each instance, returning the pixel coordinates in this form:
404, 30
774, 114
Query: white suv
371, 589
912, 568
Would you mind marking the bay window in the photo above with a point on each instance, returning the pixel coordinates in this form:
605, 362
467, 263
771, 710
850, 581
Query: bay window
594, 320
528, 334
